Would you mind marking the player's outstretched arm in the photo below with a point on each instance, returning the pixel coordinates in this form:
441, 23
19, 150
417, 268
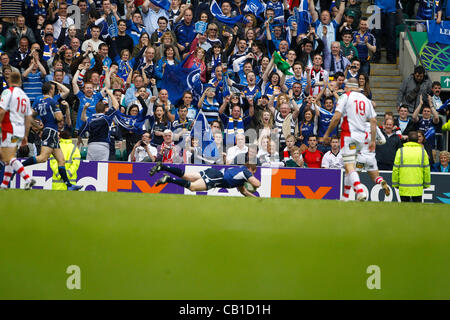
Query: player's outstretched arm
28, 120
245, 192
373, 134
2, 115
114, 101
64, 91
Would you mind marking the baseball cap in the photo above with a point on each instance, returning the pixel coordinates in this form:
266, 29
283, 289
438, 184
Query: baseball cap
350, 13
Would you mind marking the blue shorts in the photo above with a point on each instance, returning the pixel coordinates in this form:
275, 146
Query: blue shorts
213, 178
50, 138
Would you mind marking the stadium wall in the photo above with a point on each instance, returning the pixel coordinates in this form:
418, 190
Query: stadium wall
275, 183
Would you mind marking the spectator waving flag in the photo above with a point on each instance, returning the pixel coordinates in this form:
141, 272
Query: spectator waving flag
302, 16
281, 64
130, 123
177, 79
165, 4
218, 14
255, 6
202, 131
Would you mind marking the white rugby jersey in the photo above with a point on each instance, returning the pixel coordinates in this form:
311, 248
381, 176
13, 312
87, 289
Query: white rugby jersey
17, 106
356, 110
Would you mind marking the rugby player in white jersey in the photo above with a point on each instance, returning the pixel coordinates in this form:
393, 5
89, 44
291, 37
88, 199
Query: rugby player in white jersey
355, 109
15, 121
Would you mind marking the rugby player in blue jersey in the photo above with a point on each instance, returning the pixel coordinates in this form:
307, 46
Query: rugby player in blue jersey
210, 178
50, 114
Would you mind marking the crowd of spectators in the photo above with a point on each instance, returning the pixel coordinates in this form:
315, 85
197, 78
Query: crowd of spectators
124, 48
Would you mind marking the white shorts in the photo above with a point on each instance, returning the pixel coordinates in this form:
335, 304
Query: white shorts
9, 140
352, 146
366, 161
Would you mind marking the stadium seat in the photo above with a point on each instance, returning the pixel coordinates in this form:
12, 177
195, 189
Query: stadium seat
118, 155
83, 152
125, 155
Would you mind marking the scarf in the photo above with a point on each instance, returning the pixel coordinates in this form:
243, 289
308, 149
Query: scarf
318, 77
124, 69
333, 65
230, 128
286, 128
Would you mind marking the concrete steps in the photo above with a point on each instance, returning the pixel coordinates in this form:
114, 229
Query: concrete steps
385, 80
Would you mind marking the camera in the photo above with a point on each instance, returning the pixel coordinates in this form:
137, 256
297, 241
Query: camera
143, 144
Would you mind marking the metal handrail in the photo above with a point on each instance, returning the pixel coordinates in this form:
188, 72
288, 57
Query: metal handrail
412, 41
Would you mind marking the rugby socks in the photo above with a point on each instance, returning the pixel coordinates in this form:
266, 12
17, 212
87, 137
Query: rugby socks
347, 187
379, 180
180, 182
176, 171
7, 176
354, 181
18, 167
63, 173
29, 161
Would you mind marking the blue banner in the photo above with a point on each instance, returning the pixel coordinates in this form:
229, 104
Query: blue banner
177, 79
202, 131
165, 4
216, 11
255, 7
438, 32
302, 17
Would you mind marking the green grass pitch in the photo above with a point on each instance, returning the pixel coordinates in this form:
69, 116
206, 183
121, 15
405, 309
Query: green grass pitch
143, 246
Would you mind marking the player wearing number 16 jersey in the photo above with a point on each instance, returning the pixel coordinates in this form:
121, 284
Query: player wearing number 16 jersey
15, 120
50, 115
356, 110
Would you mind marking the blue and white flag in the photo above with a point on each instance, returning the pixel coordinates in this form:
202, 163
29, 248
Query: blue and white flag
200, 27
255, 6
438, 32
131, 123
430, 133
216, 11
177, 79
165, 4
113, 30
443, 106
202, 131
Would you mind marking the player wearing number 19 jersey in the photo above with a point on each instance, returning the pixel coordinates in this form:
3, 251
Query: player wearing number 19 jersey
15, 119
356, 110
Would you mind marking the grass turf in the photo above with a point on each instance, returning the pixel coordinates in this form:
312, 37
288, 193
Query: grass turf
142, 246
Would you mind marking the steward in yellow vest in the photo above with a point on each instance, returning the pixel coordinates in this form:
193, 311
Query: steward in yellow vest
411, 172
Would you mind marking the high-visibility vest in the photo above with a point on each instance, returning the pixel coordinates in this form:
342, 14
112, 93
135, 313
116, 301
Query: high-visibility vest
411, 172
72, 157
